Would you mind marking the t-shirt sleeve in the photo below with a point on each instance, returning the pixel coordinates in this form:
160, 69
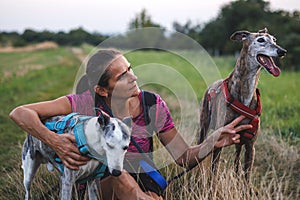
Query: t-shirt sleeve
81, 103
164, 121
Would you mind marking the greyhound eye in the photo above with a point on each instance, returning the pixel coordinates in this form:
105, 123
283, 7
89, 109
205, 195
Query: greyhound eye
113, 127
260, 40
125, 148
110, 146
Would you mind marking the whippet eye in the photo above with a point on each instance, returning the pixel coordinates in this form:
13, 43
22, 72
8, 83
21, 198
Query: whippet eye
261, 40
125, 148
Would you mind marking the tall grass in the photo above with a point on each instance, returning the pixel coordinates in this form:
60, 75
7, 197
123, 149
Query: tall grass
34, 76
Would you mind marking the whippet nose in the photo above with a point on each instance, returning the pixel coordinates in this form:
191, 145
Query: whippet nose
116, 172
281, 52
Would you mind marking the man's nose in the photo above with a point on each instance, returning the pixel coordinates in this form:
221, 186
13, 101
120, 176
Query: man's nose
133, 77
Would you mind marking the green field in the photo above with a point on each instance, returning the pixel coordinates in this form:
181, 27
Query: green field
27, 77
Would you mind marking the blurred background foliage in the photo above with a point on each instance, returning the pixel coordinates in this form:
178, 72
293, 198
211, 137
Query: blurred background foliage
213, 35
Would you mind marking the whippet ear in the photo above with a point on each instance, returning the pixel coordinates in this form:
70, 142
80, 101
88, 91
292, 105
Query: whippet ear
127, 121
240, 36
103, 118
265, 30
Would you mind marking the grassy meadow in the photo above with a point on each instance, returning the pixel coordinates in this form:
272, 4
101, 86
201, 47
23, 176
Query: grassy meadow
31, 76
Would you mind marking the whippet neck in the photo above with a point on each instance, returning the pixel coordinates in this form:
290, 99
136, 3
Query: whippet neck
243, 80
93, 138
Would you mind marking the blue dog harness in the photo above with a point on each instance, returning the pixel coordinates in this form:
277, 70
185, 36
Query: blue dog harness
76, 121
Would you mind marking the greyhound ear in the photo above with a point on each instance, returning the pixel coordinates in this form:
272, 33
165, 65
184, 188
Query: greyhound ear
103, 119
265, 30
240, 36
127, 121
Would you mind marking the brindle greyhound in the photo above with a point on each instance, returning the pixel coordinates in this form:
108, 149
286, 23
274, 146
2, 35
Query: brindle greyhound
237, 95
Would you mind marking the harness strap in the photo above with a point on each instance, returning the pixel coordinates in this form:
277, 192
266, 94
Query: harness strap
100, 172
75, 121
80, 138
66, 122
240, 108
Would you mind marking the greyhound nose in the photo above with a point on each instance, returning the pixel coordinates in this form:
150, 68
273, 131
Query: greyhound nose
281, 52
116, 172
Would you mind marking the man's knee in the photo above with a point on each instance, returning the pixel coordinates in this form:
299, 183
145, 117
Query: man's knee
123, 187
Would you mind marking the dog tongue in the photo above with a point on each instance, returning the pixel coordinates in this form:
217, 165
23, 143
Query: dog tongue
268, 63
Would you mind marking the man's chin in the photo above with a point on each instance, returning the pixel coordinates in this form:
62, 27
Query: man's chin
135, 93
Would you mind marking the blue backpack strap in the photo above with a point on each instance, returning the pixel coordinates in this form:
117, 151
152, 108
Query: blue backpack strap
154, 174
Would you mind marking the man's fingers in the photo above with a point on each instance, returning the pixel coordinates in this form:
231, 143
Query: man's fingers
228, 130
69, 153
237, 120
73, 161
236, 138
70, 137
70, 165
73, 151
236, 141
243, 127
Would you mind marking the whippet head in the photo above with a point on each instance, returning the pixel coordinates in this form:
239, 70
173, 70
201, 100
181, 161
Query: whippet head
259, 48
115, 141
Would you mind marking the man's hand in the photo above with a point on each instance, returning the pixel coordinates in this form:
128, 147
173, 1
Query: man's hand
65, 147
228, 133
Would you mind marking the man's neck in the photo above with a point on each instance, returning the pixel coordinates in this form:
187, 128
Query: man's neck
119, 107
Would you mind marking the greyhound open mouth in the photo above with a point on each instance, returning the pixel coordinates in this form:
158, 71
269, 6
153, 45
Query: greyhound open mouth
268, 63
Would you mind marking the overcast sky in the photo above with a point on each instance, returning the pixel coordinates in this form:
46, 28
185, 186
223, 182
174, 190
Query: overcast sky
111, 16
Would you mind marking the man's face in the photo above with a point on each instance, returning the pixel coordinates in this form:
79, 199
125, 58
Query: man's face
122, 83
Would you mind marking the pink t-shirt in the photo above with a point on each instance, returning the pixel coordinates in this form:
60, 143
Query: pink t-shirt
84, 104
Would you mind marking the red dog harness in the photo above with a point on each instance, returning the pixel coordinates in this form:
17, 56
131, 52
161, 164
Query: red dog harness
240, 108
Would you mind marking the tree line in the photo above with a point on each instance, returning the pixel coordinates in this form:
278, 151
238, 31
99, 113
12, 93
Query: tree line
74, 37
213, 35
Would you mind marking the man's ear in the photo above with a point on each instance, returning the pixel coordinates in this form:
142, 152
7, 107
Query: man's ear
101, 91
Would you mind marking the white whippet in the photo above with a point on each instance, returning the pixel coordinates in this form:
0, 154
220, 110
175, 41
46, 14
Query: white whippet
104, 139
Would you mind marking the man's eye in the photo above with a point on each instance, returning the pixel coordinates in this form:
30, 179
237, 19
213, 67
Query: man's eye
123, 76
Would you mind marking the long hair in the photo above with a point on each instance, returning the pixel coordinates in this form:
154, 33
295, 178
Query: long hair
97, 70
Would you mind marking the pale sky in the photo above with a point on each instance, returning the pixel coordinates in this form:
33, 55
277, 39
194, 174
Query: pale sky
112, 16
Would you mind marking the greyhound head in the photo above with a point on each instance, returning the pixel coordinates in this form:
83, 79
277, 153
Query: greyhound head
260, 47
115, 141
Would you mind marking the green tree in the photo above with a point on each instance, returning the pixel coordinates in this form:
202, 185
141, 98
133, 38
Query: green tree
252, 15
142, 20
78, 36
30, 35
